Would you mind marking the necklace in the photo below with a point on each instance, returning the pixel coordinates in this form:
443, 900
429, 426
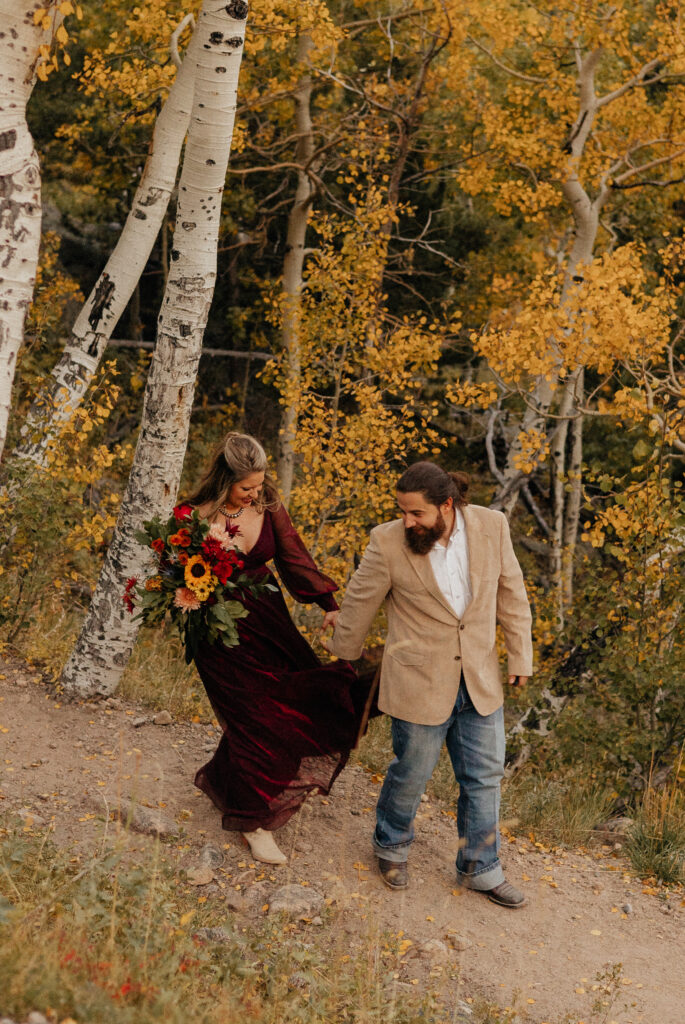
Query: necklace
231, 515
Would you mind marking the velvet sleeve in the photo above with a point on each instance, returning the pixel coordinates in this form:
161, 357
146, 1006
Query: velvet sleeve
296, 566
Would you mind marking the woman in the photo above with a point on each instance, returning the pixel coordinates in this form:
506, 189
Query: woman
288, 721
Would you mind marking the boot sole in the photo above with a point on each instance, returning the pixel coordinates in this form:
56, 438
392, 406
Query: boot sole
509, 906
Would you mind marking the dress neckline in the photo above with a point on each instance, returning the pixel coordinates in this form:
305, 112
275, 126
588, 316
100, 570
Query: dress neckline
245, 554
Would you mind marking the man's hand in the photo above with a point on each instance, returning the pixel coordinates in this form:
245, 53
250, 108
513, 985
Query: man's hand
518, 681
329, 619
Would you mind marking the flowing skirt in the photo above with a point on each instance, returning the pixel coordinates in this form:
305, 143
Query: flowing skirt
288, 721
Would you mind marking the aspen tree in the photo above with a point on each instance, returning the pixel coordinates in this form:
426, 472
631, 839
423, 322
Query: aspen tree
568, 123
293, 267
108, 633
27, 32
72, 374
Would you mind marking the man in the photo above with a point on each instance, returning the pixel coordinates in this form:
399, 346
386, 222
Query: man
447, 573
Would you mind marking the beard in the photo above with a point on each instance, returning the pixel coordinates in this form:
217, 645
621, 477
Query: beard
422, 538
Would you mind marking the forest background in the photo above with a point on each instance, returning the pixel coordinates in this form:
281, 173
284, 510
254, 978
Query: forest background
451, 231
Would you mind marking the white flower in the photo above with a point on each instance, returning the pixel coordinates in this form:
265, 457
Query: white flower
220, 533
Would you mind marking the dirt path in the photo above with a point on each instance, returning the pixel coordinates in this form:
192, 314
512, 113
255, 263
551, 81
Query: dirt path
68, 765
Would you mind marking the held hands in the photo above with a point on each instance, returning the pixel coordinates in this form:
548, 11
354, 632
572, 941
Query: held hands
518, 681
329, 619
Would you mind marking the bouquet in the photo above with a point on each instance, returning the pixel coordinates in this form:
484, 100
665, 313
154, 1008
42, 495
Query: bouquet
198, 581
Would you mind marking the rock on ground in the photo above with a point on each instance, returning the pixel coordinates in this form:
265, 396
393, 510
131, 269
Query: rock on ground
296, 901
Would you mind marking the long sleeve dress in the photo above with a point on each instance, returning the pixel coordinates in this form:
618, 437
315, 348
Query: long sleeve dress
288, 721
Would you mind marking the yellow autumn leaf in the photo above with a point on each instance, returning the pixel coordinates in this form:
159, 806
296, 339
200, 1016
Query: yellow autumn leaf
185, 918
62, 34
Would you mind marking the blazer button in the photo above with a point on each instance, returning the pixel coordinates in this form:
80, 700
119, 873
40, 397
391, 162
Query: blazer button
457, 657
461, 627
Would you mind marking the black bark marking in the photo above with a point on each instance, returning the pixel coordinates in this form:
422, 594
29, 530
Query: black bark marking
185, 330
139, 215
8, 140
93, 348
235, 42
103, 297
175, 254
237, 9
188, 225
210, 162
153, 196
220, 71
216, 37
188, 285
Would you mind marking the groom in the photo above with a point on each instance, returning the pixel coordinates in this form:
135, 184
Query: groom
447, 573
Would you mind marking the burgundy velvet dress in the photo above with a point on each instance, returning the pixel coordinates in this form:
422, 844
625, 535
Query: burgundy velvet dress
288, 721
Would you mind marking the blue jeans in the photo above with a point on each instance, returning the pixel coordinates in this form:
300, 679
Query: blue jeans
475, 744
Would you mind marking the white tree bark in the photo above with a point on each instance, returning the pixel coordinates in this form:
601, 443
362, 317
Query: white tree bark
108, 634
293, 267
586, 213
20, 199
65, 388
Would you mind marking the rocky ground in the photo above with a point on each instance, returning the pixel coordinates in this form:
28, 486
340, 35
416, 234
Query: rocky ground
76, 767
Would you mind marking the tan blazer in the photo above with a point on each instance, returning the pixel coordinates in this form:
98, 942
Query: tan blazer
427, 646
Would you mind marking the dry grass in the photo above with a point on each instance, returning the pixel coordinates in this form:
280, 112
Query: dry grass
560, 811
105, 941
656, 842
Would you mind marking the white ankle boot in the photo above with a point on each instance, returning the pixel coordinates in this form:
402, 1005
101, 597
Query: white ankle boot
263, 847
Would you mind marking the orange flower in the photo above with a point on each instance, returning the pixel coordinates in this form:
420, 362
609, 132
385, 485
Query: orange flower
158, 545
186, 600
183, 558
153, 583
180, 539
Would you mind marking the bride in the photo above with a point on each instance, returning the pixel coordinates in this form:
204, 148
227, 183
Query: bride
288, 721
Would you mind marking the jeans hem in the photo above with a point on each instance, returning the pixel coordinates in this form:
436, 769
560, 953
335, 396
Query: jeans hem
482, 880
395, 854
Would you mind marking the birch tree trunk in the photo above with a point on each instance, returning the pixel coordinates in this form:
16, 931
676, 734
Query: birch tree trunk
72, 374
574, 498
108, 633
293, 267
20, 199
585, 212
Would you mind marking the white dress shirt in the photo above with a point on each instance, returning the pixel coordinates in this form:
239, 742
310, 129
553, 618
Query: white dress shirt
450, 565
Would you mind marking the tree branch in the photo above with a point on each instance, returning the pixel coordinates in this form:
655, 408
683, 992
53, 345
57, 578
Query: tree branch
636, 80
176, 35
533, 79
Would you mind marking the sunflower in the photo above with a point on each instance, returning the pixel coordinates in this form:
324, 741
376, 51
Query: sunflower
199, 577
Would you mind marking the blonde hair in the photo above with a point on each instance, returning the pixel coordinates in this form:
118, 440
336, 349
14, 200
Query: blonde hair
234, 458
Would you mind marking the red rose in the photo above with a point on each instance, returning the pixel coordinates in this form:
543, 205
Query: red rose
223, 570
182, 512
158, 545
